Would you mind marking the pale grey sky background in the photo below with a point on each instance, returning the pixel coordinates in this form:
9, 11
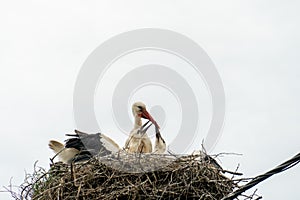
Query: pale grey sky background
254, 45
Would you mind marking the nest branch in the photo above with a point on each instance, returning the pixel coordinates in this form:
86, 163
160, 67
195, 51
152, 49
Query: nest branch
130, 176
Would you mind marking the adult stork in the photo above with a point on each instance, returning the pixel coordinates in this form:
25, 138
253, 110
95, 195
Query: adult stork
139, 142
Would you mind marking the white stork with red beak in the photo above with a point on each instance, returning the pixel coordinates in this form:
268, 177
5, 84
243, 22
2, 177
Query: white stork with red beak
138, 141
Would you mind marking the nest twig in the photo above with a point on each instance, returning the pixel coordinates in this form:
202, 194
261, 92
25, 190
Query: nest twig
131, 176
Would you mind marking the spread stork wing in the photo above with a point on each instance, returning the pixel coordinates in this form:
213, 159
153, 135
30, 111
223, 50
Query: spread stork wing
90, 145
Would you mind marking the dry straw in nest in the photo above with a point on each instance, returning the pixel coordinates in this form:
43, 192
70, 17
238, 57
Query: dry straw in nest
131, 176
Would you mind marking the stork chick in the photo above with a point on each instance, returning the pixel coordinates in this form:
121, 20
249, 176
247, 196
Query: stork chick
83, 146
160, 144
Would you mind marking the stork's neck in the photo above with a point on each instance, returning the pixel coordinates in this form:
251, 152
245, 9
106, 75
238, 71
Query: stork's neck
137, 121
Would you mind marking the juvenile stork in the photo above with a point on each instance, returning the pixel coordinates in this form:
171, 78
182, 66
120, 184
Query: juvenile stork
139, 142
83, 146
160, 144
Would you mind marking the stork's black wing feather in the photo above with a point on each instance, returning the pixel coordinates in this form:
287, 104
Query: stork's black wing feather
87, 144
76, 143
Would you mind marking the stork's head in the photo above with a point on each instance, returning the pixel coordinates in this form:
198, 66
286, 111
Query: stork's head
139, 110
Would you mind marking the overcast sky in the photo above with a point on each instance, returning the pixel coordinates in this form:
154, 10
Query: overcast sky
254, 45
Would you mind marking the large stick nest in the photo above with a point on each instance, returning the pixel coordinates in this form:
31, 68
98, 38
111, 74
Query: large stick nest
131, 176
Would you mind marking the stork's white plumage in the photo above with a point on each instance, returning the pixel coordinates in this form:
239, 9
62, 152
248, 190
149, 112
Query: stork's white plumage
160, 144
141, 143
64, 154
138, 141
82, 146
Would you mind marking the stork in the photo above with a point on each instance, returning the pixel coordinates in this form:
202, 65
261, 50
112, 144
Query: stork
160, 144
139, 142
83, 146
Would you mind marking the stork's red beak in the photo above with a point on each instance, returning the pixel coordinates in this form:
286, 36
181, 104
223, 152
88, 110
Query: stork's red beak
146, 115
